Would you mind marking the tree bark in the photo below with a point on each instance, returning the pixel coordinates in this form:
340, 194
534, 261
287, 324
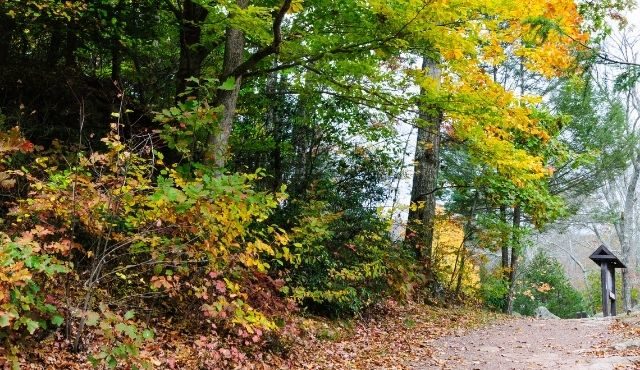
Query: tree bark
116, 48
70, 47
275, 126
116, 61
217, 144
505, 244
515, 251
627, 236
6, 33
192, 52
505, 263
468, 232
420, 224
55, 45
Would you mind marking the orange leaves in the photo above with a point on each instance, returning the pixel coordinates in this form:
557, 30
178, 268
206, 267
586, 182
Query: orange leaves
544, 288
177, 221
11, 141
168, 283
14, 275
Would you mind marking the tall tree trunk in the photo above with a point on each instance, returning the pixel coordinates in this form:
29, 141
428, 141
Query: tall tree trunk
116, 48
468, 232
505, 261
628, 229
217, 144
515, 251
116, 60
6, 33
70, 47
275, 126
55, 45
505, 244
420, 224
192, 52
302, 140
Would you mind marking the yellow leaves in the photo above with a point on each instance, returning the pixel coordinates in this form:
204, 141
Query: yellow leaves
15, 274
296, 6
454, 53
496, 124
493, 53
447, 247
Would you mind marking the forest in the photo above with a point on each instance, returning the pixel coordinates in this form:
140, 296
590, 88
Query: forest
228, 176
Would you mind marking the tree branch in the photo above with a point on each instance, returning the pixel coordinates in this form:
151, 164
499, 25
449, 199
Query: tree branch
366, 45
272, 48
174, 9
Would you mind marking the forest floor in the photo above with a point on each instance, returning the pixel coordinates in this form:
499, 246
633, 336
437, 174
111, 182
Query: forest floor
391, 336
417, 337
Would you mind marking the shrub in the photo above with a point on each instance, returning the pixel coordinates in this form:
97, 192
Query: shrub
344, 269
493, 289
544, 283
142, 230
26, 272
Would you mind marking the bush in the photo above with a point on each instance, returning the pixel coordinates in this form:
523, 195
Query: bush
343, 268
132, 230
126, 231
493, 289
544, 283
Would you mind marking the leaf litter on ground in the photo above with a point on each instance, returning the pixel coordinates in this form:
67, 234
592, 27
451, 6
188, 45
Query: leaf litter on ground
390, 336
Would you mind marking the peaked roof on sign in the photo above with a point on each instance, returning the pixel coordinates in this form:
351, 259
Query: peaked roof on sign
602, 254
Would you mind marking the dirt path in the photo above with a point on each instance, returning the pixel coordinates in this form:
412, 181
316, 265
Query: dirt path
531, 344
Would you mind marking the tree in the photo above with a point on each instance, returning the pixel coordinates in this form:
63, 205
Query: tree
544, 283
619, 192
421, 218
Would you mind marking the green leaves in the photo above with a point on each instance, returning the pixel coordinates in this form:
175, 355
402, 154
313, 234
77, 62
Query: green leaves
4, 320
57, 320
544, 283
23, 267
129, 330
229, 84
148, 334
123, 338
627, 79
31, 325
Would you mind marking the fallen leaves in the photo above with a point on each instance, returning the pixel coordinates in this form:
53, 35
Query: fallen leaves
392, 336
387, 341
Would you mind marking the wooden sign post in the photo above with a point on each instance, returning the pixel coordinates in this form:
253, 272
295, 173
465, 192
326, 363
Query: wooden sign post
608, 262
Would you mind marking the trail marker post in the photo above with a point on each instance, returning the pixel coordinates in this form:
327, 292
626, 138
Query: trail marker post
608, 262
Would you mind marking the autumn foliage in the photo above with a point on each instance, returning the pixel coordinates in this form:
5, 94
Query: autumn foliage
213, 171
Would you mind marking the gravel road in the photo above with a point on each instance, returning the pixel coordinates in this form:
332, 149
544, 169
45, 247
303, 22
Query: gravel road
531, 344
